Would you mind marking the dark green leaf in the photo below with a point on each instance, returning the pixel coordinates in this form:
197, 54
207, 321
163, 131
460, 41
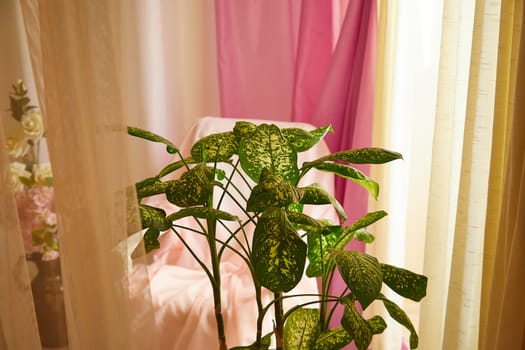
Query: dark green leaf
278, 253
266, 341
146, 182
202, 213
404, 282
303, 140
168, 169
243, 129
378, 324
272, 191
17, 110
364, 236
303, 220
318, 250
301, 329
150, 136
361, 273
152, 189
353, 174
333, 339
193, 188
268, 149
218, 147
153, 217
315, 194
151, 239
362, 222
400, 316
370, 155
358, 328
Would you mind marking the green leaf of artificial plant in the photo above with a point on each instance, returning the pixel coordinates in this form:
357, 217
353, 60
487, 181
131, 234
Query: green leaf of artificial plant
358, 328
150, 136
404, 282
192, 188
401, 317
266, 341
351, 173
278, 253
153, 217
361, 273
332, 339
267, 148
301, 329
303, 140
218, 147
319, 245
315, 194
272, 191
369, 155
202, 213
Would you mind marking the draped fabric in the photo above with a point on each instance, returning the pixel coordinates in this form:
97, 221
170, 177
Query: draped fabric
454, 136
504, 324
78, 81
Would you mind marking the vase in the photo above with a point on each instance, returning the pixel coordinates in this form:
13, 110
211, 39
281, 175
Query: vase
48, 296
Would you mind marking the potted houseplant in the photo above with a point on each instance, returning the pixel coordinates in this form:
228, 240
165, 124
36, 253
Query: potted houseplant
265, 157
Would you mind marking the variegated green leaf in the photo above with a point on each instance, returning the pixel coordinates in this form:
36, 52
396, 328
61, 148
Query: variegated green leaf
362, 222
193, 187
303, 220
353, 174
168, 169
319, 245
153, 217
378, 324
202, 213
150, 136
301, 329
404, 282
267, 148
272, 191
401, 317
303, 140
364, 236
315, 194
243, 129
152, 189
369, 155
278, 253
146, 182
361, 273
266, 341
151, 239
333, 339
218, 147
358, 328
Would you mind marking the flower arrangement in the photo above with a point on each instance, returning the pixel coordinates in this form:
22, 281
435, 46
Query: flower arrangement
32, 179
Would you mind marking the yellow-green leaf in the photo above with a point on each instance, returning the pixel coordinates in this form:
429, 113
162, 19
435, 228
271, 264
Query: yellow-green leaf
301, 329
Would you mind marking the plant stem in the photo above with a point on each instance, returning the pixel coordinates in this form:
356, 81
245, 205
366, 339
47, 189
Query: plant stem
216, 283
279, 327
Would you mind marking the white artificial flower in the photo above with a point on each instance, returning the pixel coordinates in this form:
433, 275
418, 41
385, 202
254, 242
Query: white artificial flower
42, 173
17, 145
18, 170
33, 124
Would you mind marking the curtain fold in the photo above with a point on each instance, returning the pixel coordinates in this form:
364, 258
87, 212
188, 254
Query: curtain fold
505, 321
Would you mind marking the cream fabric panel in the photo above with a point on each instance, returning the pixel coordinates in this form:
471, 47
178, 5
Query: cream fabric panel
407, 71
86, 132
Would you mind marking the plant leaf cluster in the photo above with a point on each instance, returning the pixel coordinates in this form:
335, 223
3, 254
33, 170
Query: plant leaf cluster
285, 240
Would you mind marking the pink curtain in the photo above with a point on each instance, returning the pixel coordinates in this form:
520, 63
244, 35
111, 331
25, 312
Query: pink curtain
276, 60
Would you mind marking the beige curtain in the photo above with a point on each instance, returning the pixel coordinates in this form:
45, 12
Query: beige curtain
449, 180
504, 286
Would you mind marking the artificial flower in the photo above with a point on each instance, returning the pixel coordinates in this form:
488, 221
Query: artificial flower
33, 124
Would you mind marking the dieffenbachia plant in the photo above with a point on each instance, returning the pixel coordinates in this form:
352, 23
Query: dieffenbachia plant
266, 157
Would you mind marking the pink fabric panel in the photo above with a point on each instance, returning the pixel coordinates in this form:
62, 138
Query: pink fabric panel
256, 43
314, 55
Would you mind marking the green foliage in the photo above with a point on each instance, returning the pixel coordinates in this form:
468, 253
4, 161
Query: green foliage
266, 157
